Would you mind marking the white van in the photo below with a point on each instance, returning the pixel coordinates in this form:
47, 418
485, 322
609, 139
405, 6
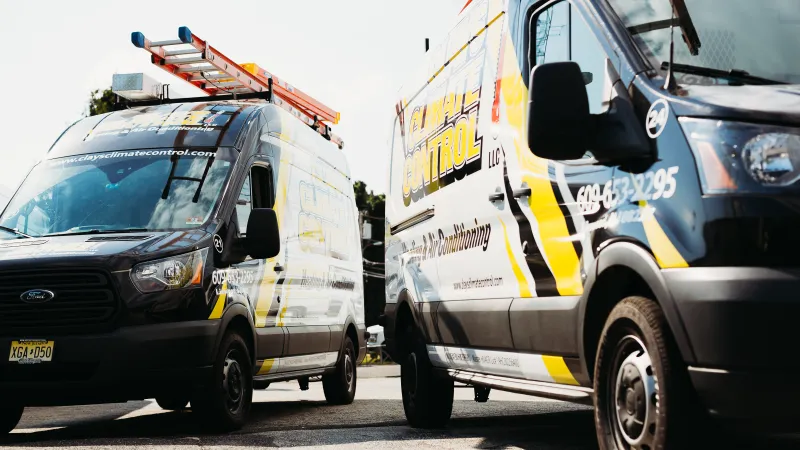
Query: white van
576, 211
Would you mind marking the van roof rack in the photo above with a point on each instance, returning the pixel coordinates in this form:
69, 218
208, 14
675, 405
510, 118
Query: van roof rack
216, 98
196, 62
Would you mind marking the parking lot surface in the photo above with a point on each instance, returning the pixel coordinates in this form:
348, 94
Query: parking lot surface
285, 416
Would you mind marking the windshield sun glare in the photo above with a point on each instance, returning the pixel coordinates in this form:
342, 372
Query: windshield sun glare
154, 189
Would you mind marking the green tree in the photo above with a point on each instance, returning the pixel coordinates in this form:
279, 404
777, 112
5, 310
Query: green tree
104, 102
373, 210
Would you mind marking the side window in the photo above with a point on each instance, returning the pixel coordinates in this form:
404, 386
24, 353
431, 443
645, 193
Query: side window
561, 34
257, 192
244, 205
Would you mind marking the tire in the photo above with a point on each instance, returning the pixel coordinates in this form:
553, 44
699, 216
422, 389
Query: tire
176, 402
340, 386
640, 381
10, 414
427, 397
224, 403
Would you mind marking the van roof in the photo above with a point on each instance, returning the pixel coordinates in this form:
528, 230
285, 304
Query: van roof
176, 125
284, 126
209, 124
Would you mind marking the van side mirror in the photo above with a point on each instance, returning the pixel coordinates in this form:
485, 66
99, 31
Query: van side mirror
559, 122
263, 238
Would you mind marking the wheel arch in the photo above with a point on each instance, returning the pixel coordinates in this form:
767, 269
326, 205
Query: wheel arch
350, 329
237, 317
407, 316
623, 269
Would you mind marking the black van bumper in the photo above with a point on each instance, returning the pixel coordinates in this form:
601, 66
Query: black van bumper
743, 325
127, 364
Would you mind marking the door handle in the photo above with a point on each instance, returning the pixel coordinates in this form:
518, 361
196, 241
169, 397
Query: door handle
522, 192
278, 268
497, 196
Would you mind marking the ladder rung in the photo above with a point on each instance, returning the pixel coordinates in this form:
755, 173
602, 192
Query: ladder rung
228, 84
189, 51
176, 61
195, 69
215, 76
164, 43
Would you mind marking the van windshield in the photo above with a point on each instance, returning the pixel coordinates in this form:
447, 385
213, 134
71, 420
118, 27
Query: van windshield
760, 38
119, 191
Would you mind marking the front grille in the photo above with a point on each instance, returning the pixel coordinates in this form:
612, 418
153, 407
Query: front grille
84, 301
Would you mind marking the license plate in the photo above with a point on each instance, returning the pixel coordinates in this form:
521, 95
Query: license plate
30, 351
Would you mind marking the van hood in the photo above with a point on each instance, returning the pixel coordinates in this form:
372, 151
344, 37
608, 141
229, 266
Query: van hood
109, 251
774, 103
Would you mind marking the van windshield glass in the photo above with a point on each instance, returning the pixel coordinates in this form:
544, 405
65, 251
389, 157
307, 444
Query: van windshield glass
119, 191
760, 38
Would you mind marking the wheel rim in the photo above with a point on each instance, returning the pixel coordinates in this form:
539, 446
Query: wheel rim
409, 380
635, 402
233, 382
349, 371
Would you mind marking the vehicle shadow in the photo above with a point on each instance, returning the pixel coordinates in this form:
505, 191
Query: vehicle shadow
303, 423
109, 426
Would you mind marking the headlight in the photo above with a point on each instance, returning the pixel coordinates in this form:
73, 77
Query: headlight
744, 158
177, 272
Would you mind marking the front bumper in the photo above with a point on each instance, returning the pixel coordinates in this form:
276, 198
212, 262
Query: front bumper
129, 363
742, 325
768, 398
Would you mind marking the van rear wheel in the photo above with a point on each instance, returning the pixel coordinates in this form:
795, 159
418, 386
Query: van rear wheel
10, 415
224, 403
427, 396
340, 386
642, 392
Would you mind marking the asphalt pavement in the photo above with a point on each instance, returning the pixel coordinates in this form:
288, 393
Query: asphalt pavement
285, 416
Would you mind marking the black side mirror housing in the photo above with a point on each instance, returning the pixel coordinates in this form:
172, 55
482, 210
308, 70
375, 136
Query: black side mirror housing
559, 122
263, 238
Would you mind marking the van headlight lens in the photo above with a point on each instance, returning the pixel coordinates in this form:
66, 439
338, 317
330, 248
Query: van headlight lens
177, 272
735, 157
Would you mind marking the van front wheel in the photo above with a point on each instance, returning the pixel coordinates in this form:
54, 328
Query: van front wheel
641, 389
427, 397
10, 414
224, 403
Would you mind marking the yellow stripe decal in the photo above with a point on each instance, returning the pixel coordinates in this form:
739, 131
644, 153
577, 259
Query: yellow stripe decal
553, 232
564, 262
266, 366
558, 370
287, 287
219, 307
524, 289
666, 254
266, 289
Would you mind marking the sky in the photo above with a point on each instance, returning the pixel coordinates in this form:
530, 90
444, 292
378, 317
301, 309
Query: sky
352, 55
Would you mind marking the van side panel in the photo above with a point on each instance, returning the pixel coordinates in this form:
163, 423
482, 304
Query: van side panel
322, 288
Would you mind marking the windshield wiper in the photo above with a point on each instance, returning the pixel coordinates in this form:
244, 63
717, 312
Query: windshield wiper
96, 231
12, 230
732, 75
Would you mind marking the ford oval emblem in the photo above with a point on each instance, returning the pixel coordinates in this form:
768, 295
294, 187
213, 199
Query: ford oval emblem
37, 296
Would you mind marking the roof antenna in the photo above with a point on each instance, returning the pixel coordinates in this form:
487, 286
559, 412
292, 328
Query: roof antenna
670, 85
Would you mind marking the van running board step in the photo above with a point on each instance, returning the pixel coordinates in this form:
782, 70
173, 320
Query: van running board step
554, 391
289, 375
